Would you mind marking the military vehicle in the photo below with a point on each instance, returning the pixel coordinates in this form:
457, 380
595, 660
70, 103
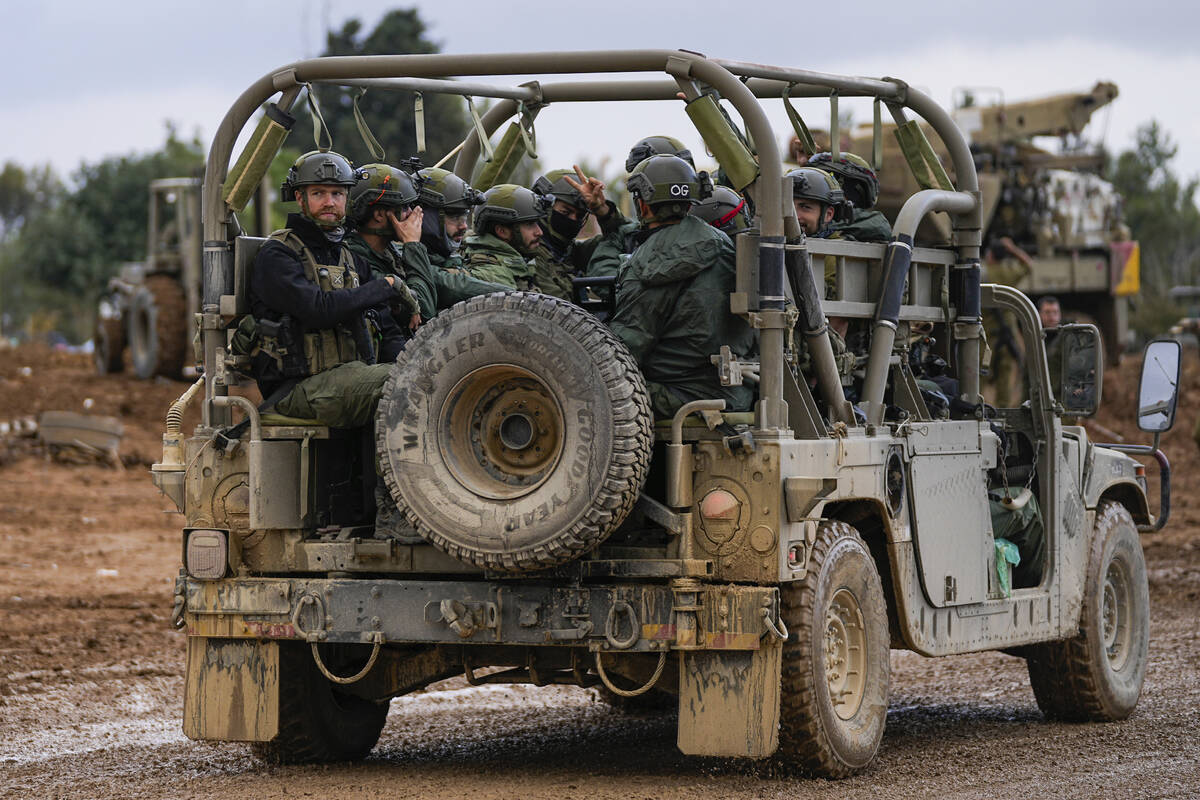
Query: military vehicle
755, 569
148, 306
1053, 206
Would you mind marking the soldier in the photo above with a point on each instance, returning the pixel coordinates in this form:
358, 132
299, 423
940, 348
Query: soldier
673, 302
725, 210
310, 299
1005, 263
560, 255
861, 188
507, 236
609, 254
448, 201
818, 199
382, 212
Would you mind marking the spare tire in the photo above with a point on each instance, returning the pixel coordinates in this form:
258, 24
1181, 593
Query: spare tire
158, 325
515, 432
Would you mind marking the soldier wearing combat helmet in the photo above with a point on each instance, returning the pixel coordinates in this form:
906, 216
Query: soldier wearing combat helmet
323, 337
673, 302
612, 251
861, 187
725, 210
385, 224
560, 256
507, 236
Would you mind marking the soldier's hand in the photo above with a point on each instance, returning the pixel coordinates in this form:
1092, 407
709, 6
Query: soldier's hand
407, 229
591, 190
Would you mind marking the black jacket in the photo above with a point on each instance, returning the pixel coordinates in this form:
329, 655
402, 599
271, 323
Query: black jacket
278, 286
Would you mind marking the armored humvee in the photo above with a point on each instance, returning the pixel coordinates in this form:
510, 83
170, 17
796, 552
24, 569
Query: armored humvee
753, 568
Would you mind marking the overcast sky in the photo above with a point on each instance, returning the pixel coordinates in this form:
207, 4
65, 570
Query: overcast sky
86, 80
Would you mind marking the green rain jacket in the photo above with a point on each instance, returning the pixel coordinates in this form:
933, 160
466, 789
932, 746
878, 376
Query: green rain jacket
673, 315
867, 226
490, 258
606, 257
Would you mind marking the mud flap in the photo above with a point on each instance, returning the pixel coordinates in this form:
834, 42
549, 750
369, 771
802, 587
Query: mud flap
729, 702
231, 691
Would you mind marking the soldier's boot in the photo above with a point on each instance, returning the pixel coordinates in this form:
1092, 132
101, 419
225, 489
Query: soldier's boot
389, 522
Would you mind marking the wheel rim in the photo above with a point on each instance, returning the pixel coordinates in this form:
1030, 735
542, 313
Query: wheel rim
1115, 616
845, 654
504, 431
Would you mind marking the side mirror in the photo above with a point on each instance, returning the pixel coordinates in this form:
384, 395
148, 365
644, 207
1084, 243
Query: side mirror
1158, 390
1082, 369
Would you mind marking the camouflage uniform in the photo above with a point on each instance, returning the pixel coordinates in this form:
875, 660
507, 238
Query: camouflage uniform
1001, 329
673, 315
556, 260
487, 257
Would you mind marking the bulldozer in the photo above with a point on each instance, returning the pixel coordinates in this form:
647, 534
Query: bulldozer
1054, 207
148, 307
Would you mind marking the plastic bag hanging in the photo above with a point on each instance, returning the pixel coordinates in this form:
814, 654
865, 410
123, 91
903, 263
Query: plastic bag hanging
373, 146
319, 126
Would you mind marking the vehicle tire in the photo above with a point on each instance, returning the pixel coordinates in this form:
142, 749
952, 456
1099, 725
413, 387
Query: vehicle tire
836, 660
158, 326
515, 432
1097, 676
318, 721
109, 344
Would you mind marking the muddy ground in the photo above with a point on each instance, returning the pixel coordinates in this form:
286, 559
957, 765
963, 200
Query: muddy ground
91, 686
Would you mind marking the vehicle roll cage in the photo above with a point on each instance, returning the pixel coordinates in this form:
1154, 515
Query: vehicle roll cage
742, 84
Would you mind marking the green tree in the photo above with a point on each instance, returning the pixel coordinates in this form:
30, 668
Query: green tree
70, 244
25, 193
389, 114
1160, 209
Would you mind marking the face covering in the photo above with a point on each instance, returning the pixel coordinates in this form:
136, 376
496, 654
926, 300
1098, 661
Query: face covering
564, 227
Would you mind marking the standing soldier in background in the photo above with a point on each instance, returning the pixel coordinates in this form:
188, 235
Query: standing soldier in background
1005, 263
507, 235
560, 256
673, 303
310, 298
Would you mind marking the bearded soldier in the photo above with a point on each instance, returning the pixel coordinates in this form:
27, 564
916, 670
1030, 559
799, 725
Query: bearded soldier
325, 338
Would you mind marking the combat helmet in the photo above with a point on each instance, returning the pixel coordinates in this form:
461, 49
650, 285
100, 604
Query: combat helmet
724, 209
381, 186
317, 167
669, 185
509, 204
657, 145
858, 180
445, 191
811, 183
554, 184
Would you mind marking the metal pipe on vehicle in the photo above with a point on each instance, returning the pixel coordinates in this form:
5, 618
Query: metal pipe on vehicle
897, 259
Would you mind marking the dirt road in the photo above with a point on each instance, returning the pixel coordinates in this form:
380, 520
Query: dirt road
91, 687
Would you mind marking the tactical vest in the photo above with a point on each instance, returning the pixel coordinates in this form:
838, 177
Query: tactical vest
322, 349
